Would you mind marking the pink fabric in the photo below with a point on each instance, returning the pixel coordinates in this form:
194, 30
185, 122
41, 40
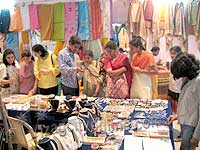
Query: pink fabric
148, 12
71, 19
33, 16
120, 61
26, 77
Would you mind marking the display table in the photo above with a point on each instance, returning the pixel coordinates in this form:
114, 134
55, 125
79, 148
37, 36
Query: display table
122, 122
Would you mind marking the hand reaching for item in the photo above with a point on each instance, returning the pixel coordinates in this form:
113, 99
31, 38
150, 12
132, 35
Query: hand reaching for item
171, 118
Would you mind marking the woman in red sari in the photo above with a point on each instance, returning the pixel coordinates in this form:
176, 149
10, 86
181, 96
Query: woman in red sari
119, 72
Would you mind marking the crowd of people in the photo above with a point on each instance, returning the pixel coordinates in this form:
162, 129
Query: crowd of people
114, 75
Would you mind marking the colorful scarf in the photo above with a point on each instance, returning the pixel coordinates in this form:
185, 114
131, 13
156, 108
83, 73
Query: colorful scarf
34, 18
83, 20
16, 20
71, 20
58, 22
95, 17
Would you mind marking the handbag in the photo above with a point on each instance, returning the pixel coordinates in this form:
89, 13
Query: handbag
6, 78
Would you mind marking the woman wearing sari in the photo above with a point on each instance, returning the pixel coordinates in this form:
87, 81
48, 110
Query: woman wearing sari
144, 68
119, 72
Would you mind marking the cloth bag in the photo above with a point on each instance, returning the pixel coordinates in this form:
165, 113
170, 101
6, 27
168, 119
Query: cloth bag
141, 86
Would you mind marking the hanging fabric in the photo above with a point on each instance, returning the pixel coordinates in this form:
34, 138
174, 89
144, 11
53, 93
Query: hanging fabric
95, 17
120, 15
59, 46
197, 33
123, 38
148, 12
25, 17
83, 20
33, 16
58, 22
71, 20
95, 46
111, 16
46, 21
106, 19
16, 20
12, 42
4, 20
136, 19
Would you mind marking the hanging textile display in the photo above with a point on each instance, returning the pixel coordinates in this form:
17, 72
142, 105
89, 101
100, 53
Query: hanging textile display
123, 38
12, 42
106, 19
179, 20
83, 20
95, 17
46, 21
198, 25
95, 46
16, 20
59, 46
33, 16
71, 20
156, 24
120, 15
4, 20
148, 13
25, 17
136, 19
58, 22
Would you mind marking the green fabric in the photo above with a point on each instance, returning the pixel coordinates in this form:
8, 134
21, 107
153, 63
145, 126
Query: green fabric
194, 12
58, 22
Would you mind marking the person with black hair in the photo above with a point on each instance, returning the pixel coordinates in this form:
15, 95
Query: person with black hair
28, 83
155, 51
46, 69
10, 84
144, 67
187, 67
69, 68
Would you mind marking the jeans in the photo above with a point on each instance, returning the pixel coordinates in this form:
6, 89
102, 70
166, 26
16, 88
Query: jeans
70, 91
186, 134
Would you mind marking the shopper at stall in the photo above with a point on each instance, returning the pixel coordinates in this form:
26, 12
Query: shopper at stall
2, 70
155, 51
10, 84
119, 71
27, 80
185, 66
68, 67
46, 69
90, 77
174, 85
144, 67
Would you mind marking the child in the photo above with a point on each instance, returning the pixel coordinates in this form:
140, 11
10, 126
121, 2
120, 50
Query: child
90, 75
10, 82
26, 74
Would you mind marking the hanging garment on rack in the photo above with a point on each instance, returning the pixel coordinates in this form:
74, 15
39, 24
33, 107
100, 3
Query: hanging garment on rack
111, 7
179, 20
12, 42
83, 20
46, 21
25, 17
194, 12
95, 46
58, 47
95, 17
4, 20
71, 20
58, 22
106, 19
197, 33
148, 13
123, 39
33, 16
136, 19
16, 20
120, 15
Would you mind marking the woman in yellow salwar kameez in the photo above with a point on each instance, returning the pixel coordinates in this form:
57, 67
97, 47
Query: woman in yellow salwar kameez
90, 76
